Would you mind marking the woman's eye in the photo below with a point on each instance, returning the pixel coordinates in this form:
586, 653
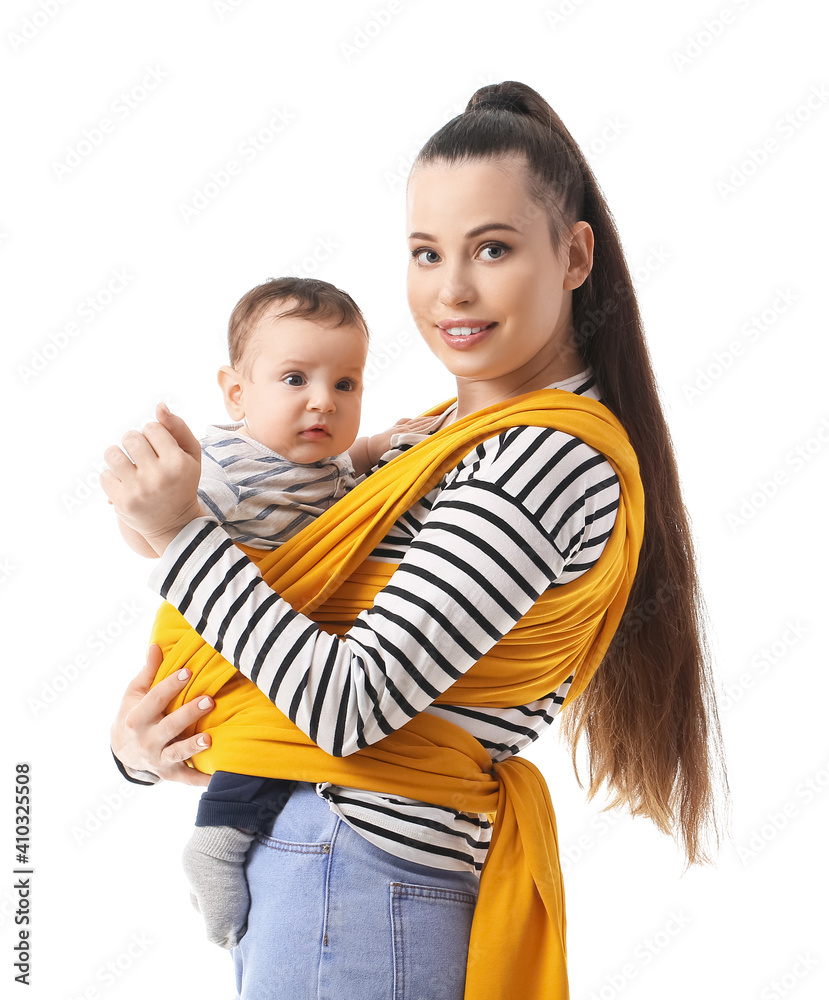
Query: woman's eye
499, 249
298, 380
417, 254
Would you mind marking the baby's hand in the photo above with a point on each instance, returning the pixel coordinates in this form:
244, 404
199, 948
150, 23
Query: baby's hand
366, 452
417, 425
379, 444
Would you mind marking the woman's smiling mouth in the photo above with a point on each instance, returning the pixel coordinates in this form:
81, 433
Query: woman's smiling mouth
463, 333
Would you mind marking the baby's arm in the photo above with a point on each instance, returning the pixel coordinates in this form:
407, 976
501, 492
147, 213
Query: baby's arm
366, 452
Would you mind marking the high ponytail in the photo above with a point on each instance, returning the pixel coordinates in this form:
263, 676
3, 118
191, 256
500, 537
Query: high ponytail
649, 714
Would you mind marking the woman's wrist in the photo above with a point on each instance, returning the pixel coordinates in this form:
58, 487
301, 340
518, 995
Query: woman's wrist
160, 539
133, 775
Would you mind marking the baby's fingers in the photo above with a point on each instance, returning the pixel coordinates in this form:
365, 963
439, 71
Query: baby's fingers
418, 424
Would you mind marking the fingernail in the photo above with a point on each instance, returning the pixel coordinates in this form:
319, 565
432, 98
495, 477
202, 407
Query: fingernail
183, 674
163, 407
205, 703
202, 741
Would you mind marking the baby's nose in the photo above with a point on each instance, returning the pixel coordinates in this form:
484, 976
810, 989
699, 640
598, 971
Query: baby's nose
322, 399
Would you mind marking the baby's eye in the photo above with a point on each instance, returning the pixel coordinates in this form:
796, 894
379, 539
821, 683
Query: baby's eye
346, 385
299, 380
417, 254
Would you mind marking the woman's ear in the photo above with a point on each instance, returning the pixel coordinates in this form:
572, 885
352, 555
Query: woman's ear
581, 255
232, 385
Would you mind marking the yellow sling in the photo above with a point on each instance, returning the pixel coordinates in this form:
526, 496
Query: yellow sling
517, 944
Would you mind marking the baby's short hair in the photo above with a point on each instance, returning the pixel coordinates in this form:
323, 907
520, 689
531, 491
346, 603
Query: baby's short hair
312, 297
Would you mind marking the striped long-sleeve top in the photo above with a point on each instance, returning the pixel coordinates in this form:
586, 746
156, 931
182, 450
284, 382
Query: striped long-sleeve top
529, 509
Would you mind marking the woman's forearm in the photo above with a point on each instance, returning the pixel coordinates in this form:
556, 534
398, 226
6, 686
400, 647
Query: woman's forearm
136, 541
478, 564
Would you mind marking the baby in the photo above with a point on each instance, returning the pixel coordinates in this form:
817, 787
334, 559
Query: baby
293, 388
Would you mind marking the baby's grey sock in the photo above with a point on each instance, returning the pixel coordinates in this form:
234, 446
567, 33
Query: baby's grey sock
214, 861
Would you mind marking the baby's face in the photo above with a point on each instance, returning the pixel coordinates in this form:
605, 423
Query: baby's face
303, 390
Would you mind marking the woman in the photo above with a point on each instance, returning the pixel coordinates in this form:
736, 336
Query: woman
512, 559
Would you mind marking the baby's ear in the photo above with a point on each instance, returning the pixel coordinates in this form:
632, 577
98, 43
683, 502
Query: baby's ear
232, 385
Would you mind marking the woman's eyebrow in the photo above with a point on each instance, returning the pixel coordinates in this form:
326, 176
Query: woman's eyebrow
477, 231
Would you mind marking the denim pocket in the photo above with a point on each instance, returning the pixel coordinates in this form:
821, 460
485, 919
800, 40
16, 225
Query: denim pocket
292, 846
430, 941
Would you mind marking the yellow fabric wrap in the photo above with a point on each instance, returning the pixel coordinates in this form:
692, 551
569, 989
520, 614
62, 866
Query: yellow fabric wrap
517, 945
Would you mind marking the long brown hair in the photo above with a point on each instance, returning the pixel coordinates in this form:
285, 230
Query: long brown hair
649, 713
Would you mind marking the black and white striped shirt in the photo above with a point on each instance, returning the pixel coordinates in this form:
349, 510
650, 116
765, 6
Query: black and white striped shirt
526, 510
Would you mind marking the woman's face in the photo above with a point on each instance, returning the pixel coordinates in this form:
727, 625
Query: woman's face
482, 257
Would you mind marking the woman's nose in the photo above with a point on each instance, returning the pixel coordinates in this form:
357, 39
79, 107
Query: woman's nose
456, 287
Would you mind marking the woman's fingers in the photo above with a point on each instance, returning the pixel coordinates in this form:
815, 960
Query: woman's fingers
179, 431
136, 690
179, 771
154, 486
171, 727
145, 738
125, 463
144, 681
139, 447
119, 464
156, 729
161, 440
175, 752
149, 707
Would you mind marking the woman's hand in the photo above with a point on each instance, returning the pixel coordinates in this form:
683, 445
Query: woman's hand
145, 739
154, 486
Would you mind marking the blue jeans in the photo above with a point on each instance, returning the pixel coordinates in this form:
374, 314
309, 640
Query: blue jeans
333, 917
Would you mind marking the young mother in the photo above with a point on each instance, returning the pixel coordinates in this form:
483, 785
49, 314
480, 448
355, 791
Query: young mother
537, 540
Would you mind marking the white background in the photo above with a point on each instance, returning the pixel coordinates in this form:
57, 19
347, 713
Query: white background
668, 109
